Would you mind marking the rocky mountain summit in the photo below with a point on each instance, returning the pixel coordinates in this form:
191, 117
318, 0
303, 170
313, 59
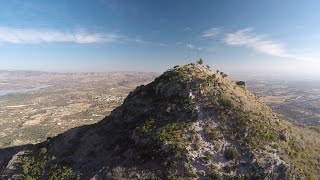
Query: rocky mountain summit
189, 123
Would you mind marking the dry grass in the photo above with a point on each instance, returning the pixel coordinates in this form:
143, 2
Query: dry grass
302, 150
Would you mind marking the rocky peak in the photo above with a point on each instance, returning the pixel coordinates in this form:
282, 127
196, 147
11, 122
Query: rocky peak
191, 123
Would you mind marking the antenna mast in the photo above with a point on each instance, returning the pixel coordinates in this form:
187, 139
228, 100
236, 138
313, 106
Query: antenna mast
189, 54
197, 53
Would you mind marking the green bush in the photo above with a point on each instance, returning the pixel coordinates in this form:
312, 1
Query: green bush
61, 173
241, 83
33, 167
29, 178
212, 133
207, 157
38, 167
223, 74
231, 153
172, 133
148, 127
226, 103
200, 61
227, 168
214, 175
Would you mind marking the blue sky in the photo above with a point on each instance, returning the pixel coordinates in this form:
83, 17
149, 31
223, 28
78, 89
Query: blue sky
275, 36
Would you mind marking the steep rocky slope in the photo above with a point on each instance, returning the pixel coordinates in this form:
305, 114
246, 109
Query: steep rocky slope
189, 123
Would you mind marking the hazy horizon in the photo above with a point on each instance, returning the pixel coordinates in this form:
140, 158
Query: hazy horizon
233, 75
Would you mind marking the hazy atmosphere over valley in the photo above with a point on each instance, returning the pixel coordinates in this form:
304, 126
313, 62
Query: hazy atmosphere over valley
148, 89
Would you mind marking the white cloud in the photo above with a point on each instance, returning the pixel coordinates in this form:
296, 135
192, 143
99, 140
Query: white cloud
251, 40
188, 28
210, 33
141, 41
35, 36
190, 46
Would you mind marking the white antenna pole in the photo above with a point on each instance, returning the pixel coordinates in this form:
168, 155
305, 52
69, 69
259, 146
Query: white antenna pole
189, 58
197, 53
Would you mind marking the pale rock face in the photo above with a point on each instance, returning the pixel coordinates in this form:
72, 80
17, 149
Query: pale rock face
191, 96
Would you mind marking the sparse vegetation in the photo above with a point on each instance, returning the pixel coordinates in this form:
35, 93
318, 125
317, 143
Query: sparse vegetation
188, 123
62, 173
207, 157
231, 153
35, 167
173, 133
212, 133
226, 104
224, 75
214, 175
148, 127
186, 104
241, 83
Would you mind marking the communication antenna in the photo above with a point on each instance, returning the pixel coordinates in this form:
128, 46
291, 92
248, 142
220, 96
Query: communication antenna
197, 53
189, 58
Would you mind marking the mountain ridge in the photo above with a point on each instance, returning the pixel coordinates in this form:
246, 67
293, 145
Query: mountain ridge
191, 123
